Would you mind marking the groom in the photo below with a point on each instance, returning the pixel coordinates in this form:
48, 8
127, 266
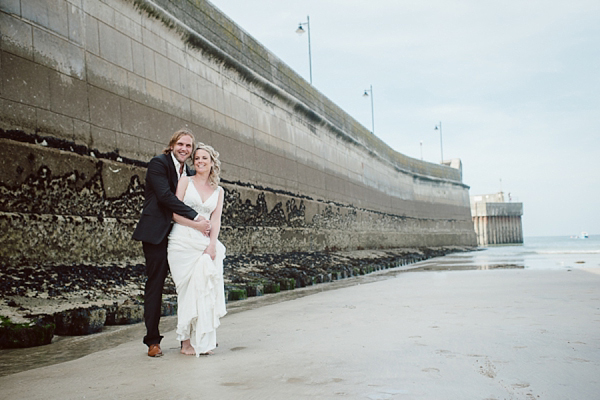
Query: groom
155, 224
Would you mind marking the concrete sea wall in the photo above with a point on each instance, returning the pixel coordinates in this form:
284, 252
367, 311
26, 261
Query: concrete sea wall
91, 90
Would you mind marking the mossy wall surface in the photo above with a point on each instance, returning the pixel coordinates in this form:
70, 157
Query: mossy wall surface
91, 90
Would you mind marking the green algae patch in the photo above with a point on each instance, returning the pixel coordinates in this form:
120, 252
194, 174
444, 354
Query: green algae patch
32, 334
272, 287
237, 294
287, 284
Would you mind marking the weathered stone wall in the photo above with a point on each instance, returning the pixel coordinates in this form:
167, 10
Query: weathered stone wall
91, 90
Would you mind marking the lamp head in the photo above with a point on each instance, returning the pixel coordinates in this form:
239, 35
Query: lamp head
366, 94
300, 29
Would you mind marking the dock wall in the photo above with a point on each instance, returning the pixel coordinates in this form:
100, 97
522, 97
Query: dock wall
91, 90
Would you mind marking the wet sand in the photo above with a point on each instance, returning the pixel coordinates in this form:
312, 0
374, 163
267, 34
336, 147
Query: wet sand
467, 334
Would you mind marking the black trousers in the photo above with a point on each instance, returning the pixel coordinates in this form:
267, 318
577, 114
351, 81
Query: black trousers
157, 268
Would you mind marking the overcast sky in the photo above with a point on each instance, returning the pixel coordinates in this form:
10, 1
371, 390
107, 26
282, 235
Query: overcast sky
516, 85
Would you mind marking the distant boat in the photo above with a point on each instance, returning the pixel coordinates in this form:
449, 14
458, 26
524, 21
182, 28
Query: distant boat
584, 235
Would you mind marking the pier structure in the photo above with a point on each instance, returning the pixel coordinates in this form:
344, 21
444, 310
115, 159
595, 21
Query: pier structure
496, 221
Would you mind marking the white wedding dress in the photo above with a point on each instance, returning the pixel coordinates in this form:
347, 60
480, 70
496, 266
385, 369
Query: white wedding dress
198, 279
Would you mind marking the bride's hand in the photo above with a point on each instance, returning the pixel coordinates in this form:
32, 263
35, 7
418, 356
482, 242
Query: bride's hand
211, 250
202, 225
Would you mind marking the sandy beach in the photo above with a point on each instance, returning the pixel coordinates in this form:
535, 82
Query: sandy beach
479, 334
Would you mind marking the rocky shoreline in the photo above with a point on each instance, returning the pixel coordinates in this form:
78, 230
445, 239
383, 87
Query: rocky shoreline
40, 301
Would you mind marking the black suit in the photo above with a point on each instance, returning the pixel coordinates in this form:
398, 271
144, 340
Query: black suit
153, 229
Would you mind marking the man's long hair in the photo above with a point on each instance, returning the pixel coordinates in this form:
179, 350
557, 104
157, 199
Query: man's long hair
176, 136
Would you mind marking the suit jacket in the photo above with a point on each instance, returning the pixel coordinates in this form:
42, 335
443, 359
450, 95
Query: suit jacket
160, 201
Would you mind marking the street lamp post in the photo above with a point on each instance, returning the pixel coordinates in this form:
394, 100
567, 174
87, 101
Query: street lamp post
421, 143
366, 94
300, 31
439, 127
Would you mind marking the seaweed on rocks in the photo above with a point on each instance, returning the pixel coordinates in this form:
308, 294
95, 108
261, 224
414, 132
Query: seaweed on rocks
240, 270
59, 280
36, 333
92, 296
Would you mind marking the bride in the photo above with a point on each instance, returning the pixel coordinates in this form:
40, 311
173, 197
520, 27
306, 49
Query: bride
196, 260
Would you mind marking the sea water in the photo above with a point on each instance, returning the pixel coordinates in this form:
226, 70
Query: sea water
548, 252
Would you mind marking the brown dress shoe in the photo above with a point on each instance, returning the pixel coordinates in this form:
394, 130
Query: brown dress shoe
154, 350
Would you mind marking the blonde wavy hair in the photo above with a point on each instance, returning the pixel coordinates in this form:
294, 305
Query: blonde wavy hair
215, 170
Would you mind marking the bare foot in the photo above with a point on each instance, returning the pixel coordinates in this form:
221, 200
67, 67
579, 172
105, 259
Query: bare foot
187, 349
208, 353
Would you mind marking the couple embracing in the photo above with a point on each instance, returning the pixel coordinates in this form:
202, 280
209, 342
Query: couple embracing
179, 229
